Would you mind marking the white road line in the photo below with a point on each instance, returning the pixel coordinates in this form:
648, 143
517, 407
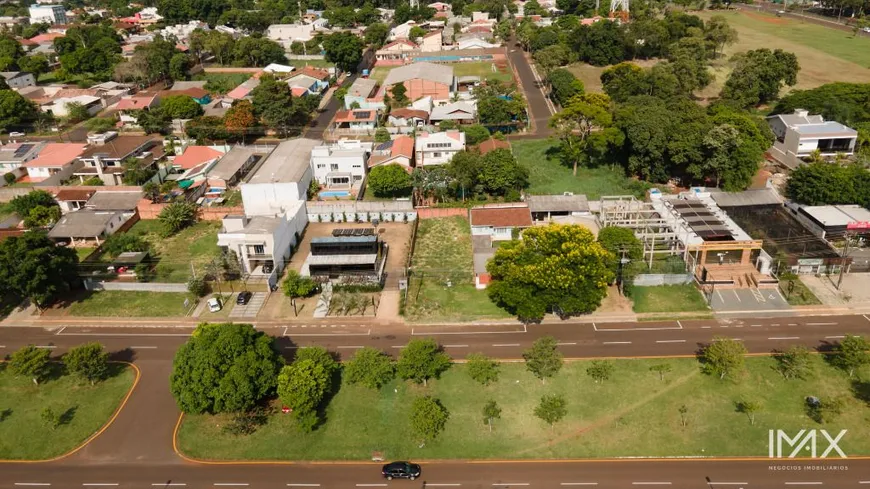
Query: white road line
371, 485
758, 325
616, 343
821, 324
47, 347
398, 346
432, 484
670, 341
169, 484
231, 484
427, 333
775, 324
865, 317
723, 326
578, 484
143, 347
834, 337
727, 483
303, 485
506, 344
511, 484
455, 346
61, 330
679, 324
565, 344
2, 346
720, 339
785, 338
708, 327
736, 295
334, 335
792, 324
863, 482
670, 328
348, 347
32, 483
125, 334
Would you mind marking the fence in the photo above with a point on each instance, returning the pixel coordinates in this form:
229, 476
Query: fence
134, 286
654, 279
150, 210
9, 193
436, 212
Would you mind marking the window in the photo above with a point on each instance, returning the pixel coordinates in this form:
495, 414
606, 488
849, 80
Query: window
321, 166
437, 145
436, 155
259, 250
357, 166
333, 166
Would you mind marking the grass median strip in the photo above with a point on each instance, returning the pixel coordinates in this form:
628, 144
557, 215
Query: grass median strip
83, 409
633, 414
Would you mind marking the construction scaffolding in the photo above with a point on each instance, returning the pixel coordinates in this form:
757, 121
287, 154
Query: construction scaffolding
661, 237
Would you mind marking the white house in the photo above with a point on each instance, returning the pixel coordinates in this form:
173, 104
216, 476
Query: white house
18, 79
342, 164
60, 106
281, 180
49, 14
287, 33
438, 148
459, 112
498, 221
182, 32
800, 134
402, 31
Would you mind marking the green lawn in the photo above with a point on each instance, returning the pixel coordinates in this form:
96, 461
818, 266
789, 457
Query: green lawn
314, 63
23, 433
632, 414
233, 198
222, 83
117, 303
84, 253
482, 69
443, 254
668, 298
195, 245
548, 175
801, 295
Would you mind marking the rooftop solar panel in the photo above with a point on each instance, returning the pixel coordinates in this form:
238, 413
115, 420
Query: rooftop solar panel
362, 115
23, 150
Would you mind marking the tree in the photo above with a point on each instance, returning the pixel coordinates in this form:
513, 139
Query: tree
723, 357
197, 286
180, 107
551, 409
124, 242
416, 32
853, 352
428, 417
684, 415
179, 66
398, 92
600, 370
727, 162
322, 357
624, 81
621, 243
369, 367
296, 285
421, 360
257, 51
88, 362
759, 75
821, 183
275, 105
42, 217
719, 33
491, 412
50, 417
382, 135
15, 109
661, 369
749, 407
482, 369
23, 204
36, 64
542, 272
240, 117
32, 266
827, 410
30, 361
389, 181
564, 85
543, 359
344, 49
10, 52
224, 368
155, 120
793, 363
584, 127
100, 124
501, 173
178, 215
376, 34
475, 134
301, 387
600, 44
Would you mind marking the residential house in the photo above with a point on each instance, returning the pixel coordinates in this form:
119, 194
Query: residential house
545, 208
146, 16
402, 31
398, 151
47, 14
499, 221
396, 52
422, 80
182, 32
493, 144
201, 96
440, 6
458, 112
473, 41
357, 121
285, 34
194, 156
244, 89
59, 107
14, 155
88, 226
360, 92
10, 22
107, 153
800, 134
431, 42
278, 69
115, 200
342, 164
54, 159
18, 79
353, 258
235, 165
301, 85
438, 148
407, 118
283, 178
303, 79
72, 199
128, 107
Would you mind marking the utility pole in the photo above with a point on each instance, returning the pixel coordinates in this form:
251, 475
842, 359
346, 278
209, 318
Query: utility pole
622, 261
843, 261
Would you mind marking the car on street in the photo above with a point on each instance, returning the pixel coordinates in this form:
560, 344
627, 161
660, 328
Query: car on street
243, 298
16, 134
214, 304
401, 470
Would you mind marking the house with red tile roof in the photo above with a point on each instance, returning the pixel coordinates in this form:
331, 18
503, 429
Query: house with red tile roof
127, 107
438, 148
355, 121
407, 117
195, 155
492, 144
47, 38
499, 220
399, 151
54, 158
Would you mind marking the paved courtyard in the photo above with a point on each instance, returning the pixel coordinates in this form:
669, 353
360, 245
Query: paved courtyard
854, 291
748, 299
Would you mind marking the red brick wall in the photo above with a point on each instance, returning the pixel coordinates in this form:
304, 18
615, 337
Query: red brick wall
150, 210
435, 212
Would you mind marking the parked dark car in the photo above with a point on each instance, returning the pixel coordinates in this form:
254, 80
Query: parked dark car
401, 470
243, 298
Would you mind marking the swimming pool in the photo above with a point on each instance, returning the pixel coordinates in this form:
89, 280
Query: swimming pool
335, 193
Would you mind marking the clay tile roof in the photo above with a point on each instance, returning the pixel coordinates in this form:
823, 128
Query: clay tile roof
45, 38
357, 115
56, 155
74, 194
134, 103
195, 155
299, 91
406, 113
515, 215
400, 41
403, 146
315, 73
492, 144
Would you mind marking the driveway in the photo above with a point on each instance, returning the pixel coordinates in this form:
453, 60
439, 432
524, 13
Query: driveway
251, 309
539, 110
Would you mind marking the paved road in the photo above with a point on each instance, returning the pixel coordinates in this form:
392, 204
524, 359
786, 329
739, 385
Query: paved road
538, 107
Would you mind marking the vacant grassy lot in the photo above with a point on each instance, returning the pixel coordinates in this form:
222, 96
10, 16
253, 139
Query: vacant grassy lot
195, 245
221, 83
632, 414
482, 69
668, 298
116, 303
84, 408
548, 175
800, 294
591, 75
442, 254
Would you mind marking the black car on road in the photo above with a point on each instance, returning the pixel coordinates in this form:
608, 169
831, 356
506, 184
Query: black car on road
401, 470
243, 298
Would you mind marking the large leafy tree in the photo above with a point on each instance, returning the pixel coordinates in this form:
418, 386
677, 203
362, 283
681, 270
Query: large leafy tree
224, 368
389, 181
600, 44
555, 267
428, 417
853, 352
369, 367
33, 267
344, 49
564, 85
178, 215
585, 128
30, 361
302, 386
719, 33
240, 117
500, 173
257, 51
723, 357
15, 109
759, 75
275, 105
421, 360
543, 359
820, 183
23, 204
624, 81
89, 362
731, 161
36, 64
848, 103
180, 107
376, 34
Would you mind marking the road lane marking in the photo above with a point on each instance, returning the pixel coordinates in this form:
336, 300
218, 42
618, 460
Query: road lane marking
348, 347
785, 338
100, 484
125, 334
506, 344
371, 485
822, 324
169, 484
865, 317
670, 341
834, 337
668, 328
143, 347
333, 335
32, 483
511, 484
650, 483
565, 344
727, 483
60, 330
758, 325
47, 347
443, 484
803, 483
775, 324
863, 482
303, 485
792, 324
734, 339
455, 346
427, 333
616, 343
398, 346
708, 327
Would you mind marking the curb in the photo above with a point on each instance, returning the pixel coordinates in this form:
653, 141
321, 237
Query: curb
95, 435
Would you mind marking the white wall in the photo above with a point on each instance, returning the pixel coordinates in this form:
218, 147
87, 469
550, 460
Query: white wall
322, 165
269, 198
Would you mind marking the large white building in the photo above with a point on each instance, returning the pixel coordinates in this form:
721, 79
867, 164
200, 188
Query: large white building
281, 180
800, 134
438, 148
48, 14
287, 33
342, 164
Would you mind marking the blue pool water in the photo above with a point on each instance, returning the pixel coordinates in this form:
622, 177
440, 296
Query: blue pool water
335, 193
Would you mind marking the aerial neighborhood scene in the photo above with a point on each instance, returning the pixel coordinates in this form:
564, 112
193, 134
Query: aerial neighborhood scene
475, 244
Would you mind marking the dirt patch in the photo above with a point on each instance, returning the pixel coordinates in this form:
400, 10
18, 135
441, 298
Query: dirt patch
766, 18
